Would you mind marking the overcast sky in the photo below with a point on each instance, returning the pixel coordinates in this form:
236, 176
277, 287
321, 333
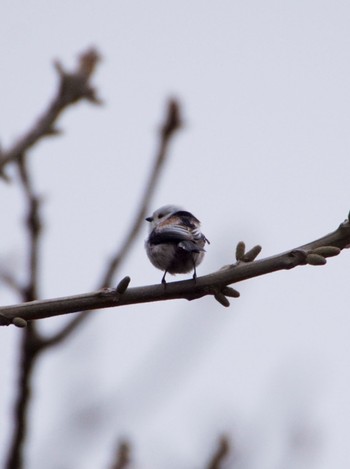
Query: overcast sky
263, 157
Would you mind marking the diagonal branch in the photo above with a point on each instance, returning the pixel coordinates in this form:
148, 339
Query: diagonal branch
211, 284
172, 123
73, 87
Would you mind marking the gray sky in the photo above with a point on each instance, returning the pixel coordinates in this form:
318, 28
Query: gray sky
264, 158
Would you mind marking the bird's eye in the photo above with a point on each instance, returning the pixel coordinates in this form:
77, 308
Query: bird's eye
161, 215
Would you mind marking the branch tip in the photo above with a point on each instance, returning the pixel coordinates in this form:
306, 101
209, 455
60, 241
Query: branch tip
222, 451
88, 61
123, 456
173, 119
58, 67
75, 85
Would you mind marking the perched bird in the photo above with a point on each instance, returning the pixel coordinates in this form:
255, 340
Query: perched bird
175, 243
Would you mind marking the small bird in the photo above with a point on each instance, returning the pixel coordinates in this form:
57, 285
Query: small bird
175, 243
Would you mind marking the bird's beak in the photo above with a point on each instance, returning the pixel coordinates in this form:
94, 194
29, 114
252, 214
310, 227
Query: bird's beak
149, 219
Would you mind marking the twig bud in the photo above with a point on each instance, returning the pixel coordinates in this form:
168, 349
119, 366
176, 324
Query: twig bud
19, 322
123, 285
240, 250
231, 292
252, 254
315, 259
327, 251
221, 298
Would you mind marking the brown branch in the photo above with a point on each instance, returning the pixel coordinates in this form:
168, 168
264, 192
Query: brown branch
31, 343
220, 454
172, 123
211, 284
122, 459
29, 352
73, 87
33, 228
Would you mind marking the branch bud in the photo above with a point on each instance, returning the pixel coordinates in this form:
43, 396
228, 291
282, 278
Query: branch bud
19, 322
315, 259
221, 298
327, 251
240, 250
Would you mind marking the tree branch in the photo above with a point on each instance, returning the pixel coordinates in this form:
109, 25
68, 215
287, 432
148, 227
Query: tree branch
73, 87
221, 453
172, 123
122, 457
212, 284
33, 228
29, 352
31, 342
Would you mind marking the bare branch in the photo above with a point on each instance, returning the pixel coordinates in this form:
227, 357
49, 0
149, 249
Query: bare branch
122, 460
210, 284
73, 87
31, 343
29, 352
33, 228
220, 454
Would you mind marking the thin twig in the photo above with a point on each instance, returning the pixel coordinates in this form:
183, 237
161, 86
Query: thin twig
188, 289
73, 87
122, 460
33, 228
220, 454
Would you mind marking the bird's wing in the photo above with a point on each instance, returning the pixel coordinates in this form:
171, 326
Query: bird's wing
170, 234
190, 246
